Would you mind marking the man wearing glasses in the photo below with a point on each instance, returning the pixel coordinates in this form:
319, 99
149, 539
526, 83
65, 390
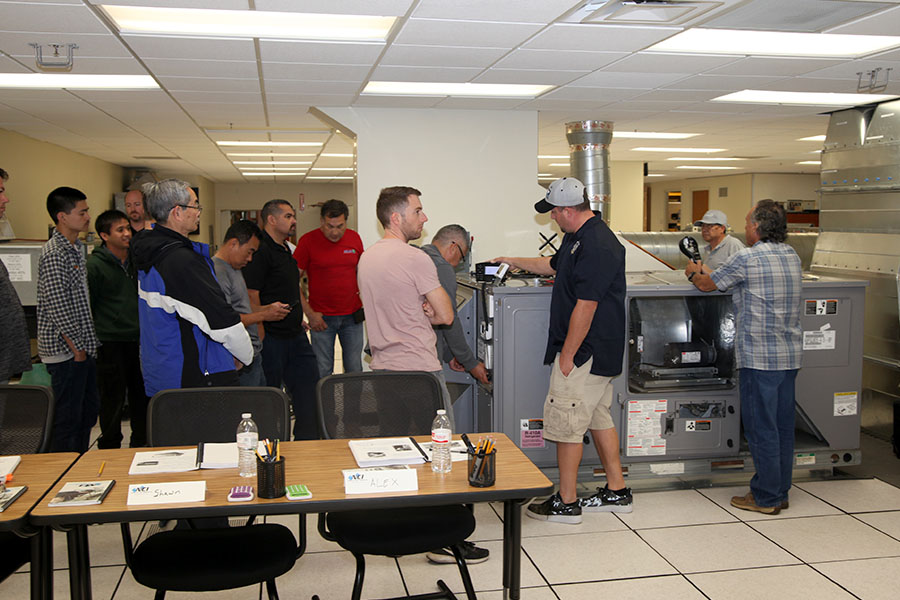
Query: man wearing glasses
190, 335
719, 245
447, 249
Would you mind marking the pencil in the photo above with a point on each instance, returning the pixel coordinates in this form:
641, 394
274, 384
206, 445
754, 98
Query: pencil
100, 470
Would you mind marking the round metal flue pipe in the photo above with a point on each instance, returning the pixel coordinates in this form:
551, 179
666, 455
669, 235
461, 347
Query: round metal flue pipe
589, 160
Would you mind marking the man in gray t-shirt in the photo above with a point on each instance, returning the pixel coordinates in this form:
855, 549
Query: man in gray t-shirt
719, 245
241, 241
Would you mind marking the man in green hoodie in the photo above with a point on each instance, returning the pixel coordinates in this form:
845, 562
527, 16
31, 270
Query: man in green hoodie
112, 284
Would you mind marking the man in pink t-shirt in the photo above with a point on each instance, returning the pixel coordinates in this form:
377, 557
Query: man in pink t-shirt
403, 298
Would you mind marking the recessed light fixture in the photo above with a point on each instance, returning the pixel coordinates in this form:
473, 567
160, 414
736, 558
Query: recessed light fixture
715, 158
424, 88
330, 177
706, 167
774, 43
268, 144
269, 163
546, 175
655, 175
652, 135
676, 150
76, 81
266, 154
333, 155
812, 138
271, 168
195, 22
332, 169
558, 165
272, 174
810, 162
802, 98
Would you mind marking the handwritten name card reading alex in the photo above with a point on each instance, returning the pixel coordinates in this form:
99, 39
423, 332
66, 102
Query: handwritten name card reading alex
374, 480
166, 493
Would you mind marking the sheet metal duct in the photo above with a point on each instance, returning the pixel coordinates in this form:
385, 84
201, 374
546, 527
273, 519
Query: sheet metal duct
589, 160
859, 221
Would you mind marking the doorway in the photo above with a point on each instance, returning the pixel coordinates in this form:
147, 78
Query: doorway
699, 204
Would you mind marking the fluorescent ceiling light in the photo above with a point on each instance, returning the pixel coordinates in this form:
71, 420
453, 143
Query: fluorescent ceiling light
810, 162
423, 88
330, 177
268, 144
558, 165
774, 43
655, 175
332, 169
268, 163
721, 158
553, 156
706, 167
271, 168
802, 98
266, 154
76, 81
676, 150
248, 23
813, 138
546, 175
652, 135
272, 174
332, 155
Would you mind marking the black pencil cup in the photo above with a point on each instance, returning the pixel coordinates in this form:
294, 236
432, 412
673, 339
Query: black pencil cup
270, 478
482, 470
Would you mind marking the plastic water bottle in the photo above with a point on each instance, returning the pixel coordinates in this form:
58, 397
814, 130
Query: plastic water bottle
440, 443
247, 441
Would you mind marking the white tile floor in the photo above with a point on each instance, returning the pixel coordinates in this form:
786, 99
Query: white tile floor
834, 542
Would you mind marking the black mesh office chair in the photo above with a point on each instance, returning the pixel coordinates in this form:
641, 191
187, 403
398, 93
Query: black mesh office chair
385, 403
221, 557
26, 424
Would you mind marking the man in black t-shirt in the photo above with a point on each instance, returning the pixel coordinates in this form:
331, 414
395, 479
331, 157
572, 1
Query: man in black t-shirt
287, 357
585, 344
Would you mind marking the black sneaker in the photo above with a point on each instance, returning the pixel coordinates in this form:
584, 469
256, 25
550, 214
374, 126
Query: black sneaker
606, 500
554, 509
472, 553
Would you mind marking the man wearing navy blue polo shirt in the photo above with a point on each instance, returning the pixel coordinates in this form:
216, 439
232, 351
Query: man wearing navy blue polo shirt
585, 345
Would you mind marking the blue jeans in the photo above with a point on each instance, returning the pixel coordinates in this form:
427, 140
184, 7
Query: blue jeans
77, 404
253, 375
767, 412
351, 336
290, 362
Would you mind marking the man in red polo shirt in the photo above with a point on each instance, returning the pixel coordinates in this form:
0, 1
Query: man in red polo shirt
329, 255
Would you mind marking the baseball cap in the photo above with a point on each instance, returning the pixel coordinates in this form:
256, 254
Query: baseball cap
567, 191
713, 217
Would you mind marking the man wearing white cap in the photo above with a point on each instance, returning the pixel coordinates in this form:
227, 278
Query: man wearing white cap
719, 245
585, 345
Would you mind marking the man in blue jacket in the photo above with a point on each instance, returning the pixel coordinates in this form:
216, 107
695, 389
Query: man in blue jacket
190, 335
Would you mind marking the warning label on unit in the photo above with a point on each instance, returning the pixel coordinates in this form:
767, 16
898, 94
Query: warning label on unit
667, 468
845, 404
531, 433
806, 459
821, 307
645, 427
819, 340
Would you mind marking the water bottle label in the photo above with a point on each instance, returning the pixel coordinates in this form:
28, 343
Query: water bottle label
247, 440
440, 436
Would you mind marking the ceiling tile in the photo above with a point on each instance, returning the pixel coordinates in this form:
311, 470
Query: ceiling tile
810, 84
601, 95
16, 43
721, 82
654, 62
319, 53
440, 56
851, 69
569, 60
211, 4
314, 100
435, 74
47, 18
527, 77
481, 103
496, 10
627, 80
677, 96
766, 66
8, 65
173, 67
254, 98
315, 72
478, 34
384, 8
278, 87
608, 38
149, 46
209, 84
402, 102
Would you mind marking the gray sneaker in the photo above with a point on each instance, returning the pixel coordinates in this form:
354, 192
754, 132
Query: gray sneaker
554, 509
605, 500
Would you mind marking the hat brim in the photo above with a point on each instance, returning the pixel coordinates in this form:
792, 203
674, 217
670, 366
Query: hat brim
542, 206
702, 223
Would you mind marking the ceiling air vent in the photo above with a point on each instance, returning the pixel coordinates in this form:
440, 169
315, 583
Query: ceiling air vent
656, 12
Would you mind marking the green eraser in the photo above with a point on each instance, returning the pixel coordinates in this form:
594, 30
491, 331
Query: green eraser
298, 491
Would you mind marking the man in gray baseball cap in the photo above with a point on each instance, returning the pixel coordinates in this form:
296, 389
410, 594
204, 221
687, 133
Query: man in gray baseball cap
719, 245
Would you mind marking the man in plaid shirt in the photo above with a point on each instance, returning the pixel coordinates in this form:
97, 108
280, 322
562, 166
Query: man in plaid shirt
766, 279
67, 342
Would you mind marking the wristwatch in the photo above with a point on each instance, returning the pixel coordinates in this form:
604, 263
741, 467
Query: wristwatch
691, 276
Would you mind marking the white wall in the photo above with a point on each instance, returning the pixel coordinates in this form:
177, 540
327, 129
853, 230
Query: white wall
781, 187
627, 190
476, 168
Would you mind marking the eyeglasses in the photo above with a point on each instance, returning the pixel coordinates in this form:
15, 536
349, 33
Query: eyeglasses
197, 206
462, 255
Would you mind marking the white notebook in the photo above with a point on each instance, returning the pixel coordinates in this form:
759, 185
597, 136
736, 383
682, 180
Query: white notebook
8, 464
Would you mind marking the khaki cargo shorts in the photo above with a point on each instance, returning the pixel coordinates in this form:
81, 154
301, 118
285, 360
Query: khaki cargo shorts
576, 403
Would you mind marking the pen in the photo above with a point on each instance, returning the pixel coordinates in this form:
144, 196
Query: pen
100, 470
468, 444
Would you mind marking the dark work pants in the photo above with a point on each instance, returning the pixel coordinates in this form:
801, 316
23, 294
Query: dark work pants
290, 362
77, 404
118, 370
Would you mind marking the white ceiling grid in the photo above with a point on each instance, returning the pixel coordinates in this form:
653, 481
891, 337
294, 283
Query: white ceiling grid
217, 89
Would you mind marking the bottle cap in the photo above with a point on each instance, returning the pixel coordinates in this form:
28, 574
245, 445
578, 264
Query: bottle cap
246, 415
442, 411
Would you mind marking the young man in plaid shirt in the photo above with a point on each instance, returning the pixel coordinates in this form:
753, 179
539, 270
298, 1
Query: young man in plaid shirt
67, 342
